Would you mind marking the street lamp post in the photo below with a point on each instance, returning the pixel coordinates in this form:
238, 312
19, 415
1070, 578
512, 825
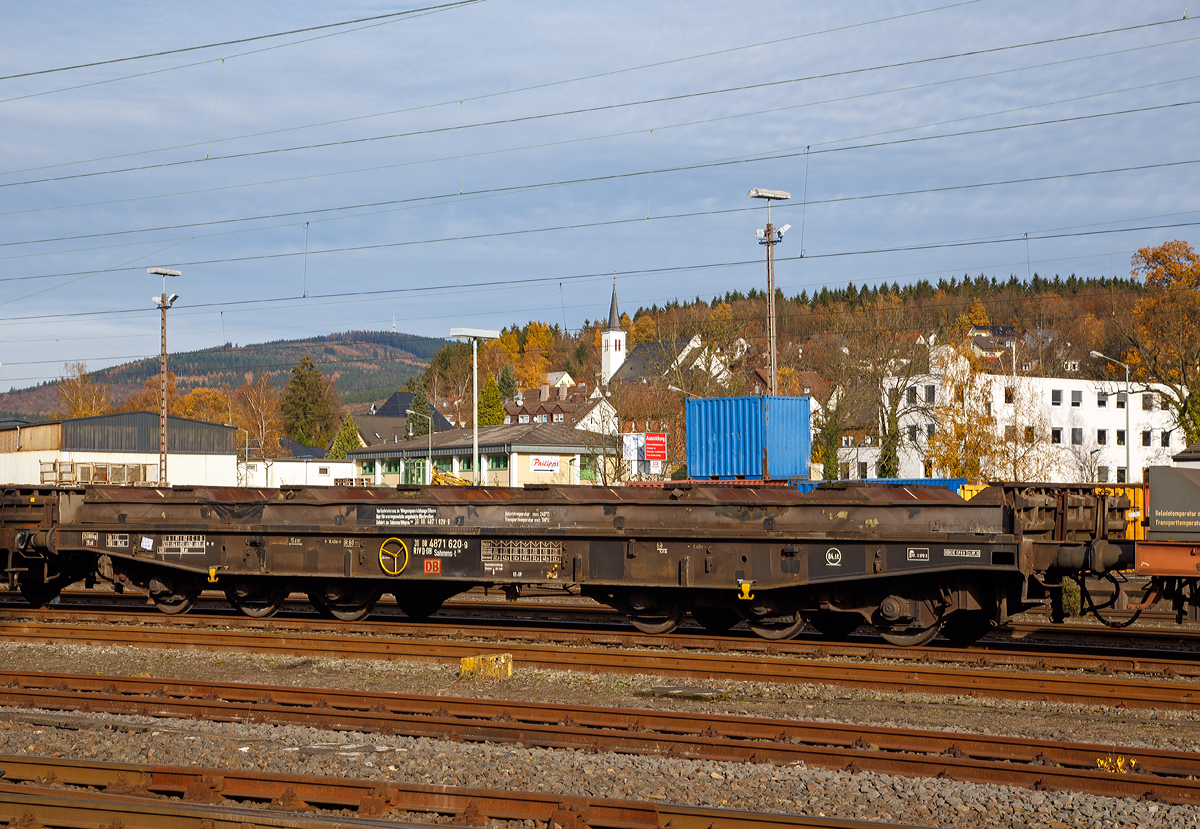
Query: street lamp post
771, 237
475, 335
244, 477
163, 302
1128, 403
429, 457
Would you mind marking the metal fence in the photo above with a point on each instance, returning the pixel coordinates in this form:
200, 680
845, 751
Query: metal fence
67, 473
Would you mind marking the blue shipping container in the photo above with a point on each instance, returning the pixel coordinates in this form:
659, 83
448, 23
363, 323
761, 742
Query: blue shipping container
748, 437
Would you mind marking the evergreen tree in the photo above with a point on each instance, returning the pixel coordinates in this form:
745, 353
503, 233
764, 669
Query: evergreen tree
491, 407
507, 385
310, 405
347, 439
422, 424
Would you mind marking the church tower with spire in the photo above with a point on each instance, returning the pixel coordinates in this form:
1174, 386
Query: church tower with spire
612, 343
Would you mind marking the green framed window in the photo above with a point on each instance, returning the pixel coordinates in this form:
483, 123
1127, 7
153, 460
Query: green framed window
368, 467
414, 472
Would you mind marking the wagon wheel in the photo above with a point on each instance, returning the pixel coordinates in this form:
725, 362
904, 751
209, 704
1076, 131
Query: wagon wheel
352, 612
255, 604
171, 596
38, 592
343, 599
655, 623
35, 593
175, 603
319, 605
834, 624
966, 627
418, 607
911, 637
777, 627
716, 620
354, 608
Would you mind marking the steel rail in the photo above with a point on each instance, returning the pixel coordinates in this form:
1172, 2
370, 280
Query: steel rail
1166, 775
1073, 688
1005, 655
128, 789
1177, 646
214, 601
37, 807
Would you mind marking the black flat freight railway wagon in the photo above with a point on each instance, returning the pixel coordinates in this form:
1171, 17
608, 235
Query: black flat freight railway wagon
912, 561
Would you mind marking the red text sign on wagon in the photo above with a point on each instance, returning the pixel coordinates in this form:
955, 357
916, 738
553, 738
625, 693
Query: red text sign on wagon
433, 566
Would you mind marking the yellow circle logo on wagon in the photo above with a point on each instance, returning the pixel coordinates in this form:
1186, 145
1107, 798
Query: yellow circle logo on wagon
393, 556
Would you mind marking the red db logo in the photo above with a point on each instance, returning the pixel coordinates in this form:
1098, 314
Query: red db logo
433, 566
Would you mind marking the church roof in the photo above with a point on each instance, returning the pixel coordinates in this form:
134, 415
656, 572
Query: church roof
614, 318
651, 360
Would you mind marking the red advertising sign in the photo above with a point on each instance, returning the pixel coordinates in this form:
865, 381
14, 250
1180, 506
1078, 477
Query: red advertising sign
656, 446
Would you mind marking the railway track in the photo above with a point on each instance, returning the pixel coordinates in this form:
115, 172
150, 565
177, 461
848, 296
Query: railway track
475, 605
1076, 688
1168, 776
52, 793
1011, 654
531, 600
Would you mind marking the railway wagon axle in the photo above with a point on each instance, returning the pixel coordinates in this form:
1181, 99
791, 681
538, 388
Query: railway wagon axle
911, 561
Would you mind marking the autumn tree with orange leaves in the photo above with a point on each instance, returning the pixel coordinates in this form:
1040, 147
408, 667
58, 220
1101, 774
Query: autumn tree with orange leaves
536, 353
1164, 334
81, 396
149, 399
209, 405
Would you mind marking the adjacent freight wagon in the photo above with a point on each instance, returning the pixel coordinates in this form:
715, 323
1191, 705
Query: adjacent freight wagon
1170, 553
912, 561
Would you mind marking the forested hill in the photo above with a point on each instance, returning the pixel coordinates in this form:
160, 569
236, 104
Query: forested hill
367, 365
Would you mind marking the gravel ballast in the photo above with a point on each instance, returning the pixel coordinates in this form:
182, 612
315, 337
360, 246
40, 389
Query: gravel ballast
792, 789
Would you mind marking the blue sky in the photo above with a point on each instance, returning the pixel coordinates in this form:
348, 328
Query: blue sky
496, 162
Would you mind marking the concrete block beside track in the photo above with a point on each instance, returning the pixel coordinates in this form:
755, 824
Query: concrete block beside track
498, 666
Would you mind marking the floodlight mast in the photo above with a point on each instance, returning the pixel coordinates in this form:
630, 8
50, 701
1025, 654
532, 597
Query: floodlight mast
770, 237
475, 335
163, 302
